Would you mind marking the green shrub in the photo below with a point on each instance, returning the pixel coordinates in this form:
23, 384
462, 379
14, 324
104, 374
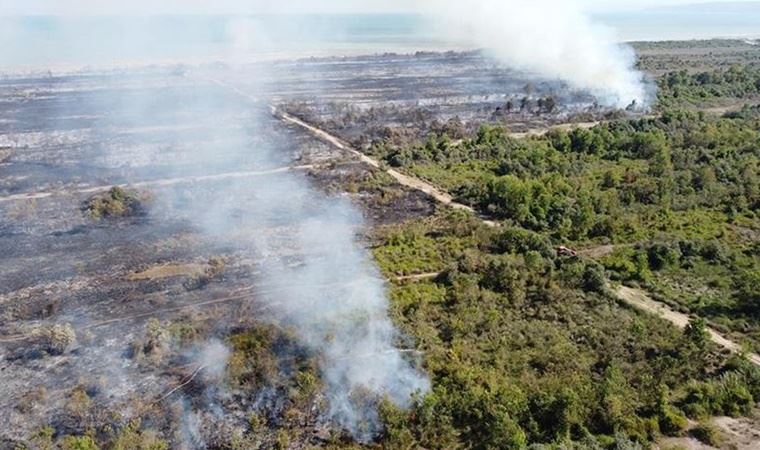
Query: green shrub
78, 443
728, 395
663, 255
672, 421
117, 202
594, 279
132, 437
708, 433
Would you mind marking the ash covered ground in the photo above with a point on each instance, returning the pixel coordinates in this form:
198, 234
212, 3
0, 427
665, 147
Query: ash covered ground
360, 98
109, 316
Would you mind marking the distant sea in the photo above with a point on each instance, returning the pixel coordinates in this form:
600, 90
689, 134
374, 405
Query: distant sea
681, 24
46, 41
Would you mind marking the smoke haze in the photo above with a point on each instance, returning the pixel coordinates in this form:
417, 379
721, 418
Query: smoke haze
554, 39
331, 294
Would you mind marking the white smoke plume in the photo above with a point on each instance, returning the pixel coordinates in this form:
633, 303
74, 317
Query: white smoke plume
335, 301
552, 38
334, 298
331, 296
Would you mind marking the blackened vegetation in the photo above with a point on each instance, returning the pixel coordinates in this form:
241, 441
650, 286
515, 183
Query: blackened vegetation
382, 200
524, 346
213, 271
415, 94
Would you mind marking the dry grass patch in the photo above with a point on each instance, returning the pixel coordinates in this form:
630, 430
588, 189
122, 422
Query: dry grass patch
168, 271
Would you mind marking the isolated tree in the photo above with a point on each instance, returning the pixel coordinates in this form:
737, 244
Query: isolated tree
547, 104
661, 169
56, 339
696, 333
524, 104
594, 279
748, 292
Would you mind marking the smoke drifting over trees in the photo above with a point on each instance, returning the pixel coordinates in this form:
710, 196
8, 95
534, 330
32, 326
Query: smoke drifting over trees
332, 296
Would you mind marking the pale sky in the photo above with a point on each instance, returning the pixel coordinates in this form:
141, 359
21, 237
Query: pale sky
90, 7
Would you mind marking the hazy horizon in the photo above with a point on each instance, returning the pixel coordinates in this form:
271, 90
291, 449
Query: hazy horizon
86, 40
235, 7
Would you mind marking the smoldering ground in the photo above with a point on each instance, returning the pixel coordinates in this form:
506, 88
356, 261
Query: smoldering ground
327, 293
308, 272
333, 297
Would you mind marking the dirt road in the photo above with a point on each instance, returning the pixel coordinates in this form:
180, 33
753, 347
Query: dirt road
418, 277
560, 127
640, 300
405, 180
600, 251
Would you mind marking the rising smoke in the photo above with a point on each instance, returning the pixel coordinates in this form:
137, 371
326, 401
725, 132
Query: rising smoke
552, 38
332, 295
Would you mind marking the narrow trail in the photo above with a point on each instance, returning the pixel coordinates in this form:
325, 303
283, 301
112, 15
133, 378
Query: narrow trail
641, 301
418, 277
156, 183
559, 127
600, 251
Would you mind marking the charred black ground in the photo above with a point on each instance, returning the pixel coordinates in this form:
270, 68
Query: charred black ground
108, 322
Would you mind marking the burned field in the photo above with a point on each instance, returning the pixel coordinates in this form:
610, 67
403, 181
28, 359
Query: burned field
360, 98
167, 242
108, 294
130, 205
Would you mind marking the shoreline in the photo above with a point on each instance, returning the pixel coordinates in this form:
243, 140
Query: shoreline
285, 56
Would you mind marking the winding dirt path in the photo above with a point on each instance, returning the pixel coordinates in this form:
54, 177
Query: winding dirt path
640, 300
403, 179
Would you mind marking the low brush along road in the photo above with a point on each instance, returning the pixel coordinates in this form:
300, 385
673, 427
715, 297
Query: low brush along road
641, 301
405, 180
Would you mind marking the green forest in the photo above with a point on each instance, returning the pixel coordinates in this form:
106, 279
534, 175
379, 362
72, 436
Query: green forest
525, 347
529, 348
